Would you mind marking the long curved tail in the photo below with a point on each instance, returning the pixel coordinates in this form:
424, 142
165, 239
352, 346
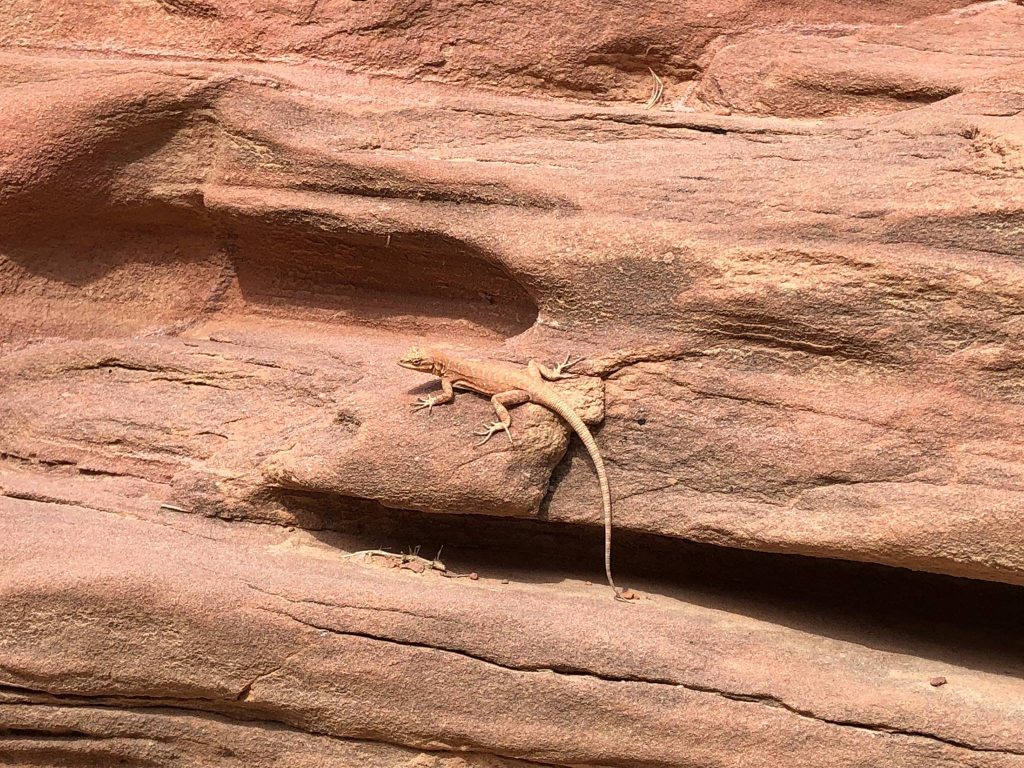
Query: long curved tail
564, 410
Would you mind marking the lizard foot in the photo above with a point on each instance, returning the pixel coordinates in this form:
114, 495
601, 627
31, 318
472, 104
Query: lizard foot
424, 402
490, 429
560, 369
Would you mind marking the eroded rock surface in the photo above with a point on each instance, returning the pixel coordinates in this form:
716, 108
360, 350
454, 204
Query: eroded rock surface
216, 625
797, 282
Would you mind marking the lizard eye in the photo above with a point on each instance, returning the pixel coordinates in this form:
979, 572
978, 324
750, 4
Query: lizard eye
416, 358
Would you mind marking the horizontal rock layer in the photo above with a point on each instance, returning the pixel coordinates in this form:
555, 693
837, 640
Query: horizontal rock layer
797, 284
808, 333
159, 636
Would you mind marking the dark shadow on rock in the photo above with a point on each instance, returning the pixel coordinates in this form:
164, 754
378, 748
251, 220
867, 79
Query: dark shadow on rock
953, 620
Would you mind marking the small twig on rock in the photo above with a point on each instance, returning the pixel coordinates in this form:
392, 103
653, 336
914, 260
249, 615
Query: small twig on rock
657, 92
410, 562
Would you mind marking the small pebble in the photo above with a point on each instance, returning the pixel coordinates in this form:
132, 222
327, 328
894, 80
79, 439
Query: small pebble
935, 682
504, 581
590, 583
474, 576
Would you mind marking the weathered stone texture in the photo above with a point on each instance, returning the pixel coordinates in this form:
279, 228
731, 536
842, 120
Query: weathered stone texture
798, 284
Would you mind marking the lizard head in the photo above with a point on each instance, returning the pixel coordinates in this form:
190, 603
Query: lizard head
418, 359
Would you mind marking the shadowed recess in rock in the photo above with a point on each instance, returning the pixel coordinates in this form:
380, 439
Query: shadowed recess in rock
156, 267
955, 620
285, 267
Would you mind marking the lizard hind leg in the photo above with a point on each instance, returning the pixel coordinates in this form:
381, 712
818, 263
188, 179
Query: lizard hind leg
502, 402
489, 429
556, 373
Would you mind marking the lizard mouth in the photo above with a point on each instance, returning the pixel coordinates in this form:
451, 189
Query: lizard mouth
416, 365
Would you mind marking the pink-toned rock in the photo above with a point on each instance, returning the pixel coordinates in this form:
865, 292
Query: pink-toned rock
825, 71
831, 369
576, 49
796, 282
133, 634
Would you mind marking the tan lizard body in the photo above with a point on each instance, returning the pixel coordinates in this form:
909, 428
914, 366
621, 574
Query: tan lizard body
509, 386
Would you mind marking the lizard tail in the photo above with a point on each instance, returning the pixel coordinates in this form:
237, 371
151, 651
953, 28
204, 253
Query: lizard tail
580, 428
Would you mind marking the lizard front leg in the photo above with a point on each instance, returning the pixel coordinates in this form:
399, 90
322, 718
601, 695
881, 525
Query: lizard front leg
502, 402
553, 374
446, 396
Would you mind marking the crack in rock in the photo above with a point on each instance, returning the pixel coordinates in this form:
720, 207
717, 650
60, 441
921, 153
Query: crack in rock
757, 698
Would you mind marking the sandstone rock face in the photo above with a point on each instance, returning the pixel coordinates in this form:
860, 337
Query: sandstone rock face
798, 287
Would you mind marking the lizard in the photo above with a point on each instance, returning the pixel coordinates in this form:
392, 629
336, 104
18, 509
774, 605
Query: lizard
509, 386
